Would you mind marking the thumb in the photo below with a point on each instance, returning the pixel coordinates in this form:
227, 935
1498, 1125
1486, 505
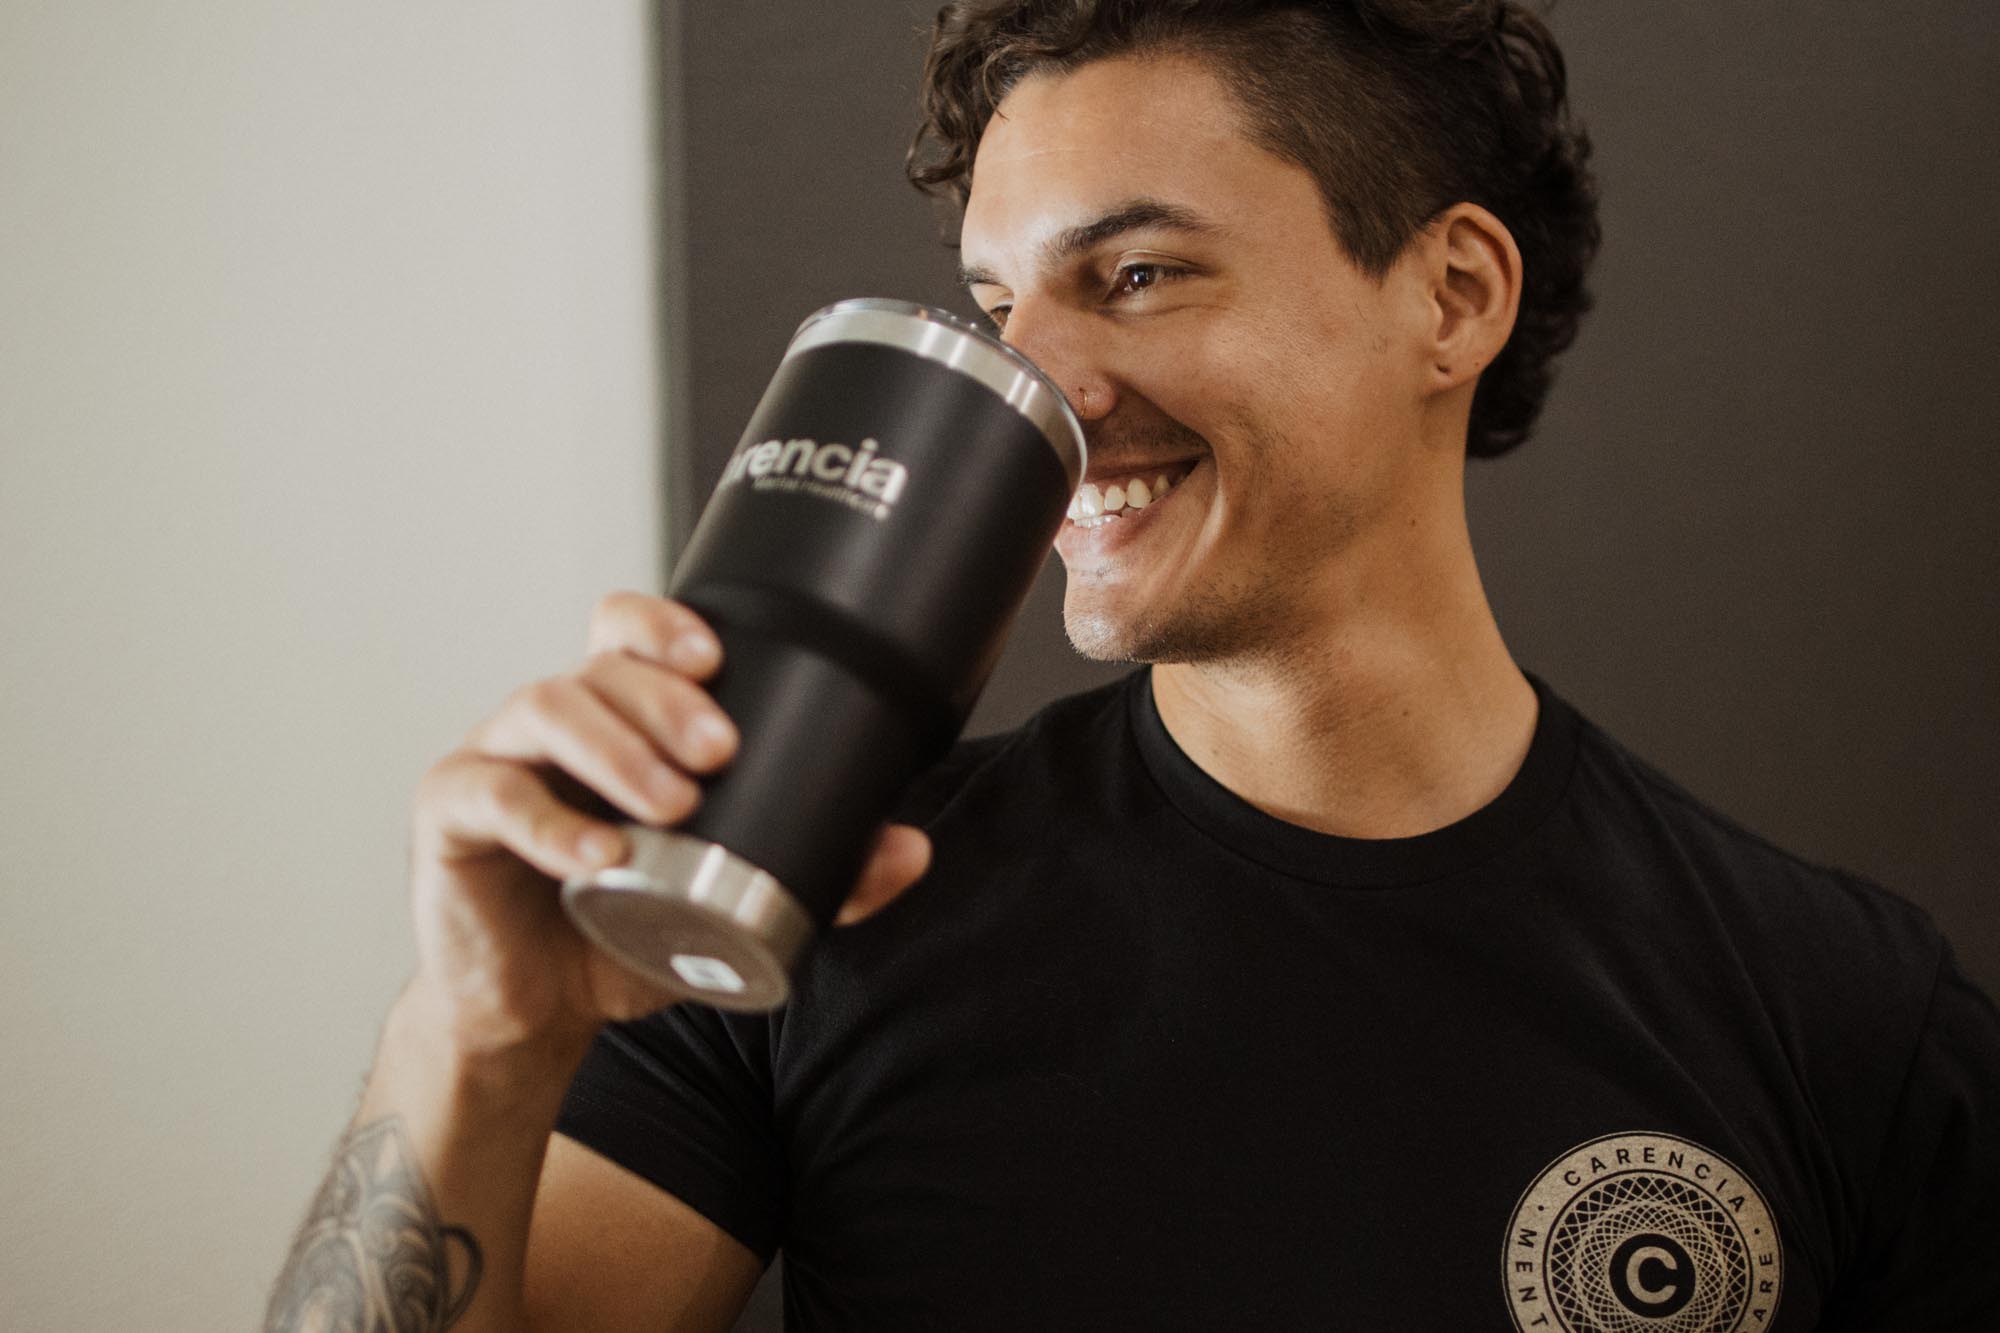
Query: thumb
901, 855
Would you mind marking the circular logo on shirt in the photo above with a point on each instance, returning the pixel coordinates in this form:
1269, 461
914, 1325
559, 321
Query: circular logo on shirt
1642, 1233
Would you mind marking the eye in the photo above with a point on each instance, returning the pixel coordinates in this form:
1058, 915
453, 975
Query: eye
1132, 279
995, 314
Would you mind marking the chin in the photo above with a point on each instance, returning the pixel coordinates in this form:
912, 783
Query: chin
1202, 627
1099, 637
1102, 636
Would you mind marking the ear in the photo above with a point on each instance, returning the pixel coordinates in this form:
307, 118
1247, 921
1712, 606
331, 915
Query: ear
1473, 271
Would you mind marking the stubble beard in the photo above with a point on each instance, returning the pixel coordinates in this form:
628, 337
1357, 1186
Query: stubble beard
1241, 615
1248, 614
1213, 622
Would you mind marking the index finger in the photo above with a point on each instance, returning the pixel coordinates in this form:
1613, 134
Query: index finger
657, 628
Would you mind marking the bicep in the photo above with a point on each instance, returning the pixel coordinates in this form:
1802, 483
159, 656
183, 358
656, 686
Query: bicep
610, 1252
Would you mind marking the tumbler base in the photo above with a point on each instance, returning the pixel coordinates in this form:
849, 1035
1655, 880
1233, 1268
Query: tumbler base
694, 917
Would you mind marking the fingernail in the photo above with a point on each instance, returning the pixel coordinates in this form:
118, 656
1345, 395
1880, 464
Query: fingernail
713, 735
694, 652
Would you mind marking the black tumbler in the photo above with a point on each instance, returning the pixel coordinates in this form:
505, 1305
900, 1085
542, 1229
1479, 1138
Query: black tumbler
870, 542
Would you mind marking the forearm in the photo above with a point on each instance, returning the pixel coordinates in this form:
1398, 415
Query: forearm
422, 1222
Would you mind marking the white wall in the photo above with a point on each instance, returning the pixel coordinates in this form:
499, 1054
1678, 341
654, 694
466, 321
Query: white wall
328, 406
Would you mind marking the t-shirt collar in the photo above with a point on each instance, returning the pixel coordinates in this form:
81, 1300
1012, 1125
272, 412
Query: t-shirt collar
1361, 862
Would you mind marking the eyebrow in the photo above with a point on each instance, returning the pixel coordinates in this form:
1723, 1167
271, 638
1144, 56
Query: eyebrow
1132, 215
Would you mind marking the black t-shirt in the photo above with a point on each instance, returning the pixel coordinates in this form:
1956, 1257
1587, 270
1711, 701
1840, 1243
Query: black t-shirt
1137, 1055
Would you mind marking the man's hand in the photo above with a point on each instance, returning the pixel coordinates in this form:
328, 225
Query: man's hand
535, 794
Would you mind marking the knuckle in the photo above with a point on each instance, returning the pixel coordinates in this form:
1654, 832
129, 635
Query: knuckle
604, 664
632, 620
429, 797
609, 618
443, 780
543, 698
612, 606
510, 791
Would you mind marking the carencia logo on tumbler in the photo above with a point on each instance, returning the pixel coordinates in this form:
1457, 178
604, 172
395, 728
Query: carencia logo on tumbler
853, 475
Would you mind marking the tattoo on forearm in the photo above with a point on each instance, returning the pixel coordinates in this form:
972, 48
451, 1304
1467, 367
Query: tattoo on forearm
373, 1257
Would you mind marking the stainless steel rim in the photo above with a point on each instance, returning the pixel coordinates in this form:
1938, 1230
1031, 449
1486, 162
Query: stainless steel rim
939, 335
696, 918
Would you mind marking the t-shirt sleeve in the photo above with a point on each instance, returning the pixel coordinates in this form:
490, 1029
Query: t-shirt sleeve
1929, 1258
683, 1099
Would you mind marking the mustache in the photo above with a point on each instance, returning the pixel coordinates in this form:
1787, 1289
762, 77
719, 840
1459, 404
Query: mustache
1114, 444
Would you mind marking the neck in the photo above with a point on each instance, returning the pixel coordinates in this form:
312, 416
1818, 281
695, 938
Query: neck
1395, 710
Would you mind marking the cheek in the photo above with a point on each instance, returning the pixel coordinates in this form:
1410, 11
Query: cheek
1300, 443
1216, 382
1329, 388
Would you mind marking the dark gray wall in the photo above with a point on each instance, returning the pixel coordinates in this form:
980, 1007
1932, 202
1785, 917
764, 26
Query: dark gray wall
1752, 537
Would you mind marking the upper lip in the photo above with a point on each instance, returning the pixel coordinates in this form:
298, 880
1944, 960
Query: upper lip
1101, 471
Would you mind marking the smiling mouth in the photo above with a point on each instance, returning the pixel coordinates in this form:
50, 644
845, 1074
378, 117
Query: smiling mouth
1112, 496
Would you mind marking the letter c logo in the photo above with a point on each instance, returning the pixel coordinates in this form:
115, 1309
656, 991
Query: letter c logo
1651, 1275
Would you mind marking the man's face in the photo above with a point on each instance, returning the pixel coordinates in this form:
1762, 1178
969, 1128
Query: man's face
1184, 287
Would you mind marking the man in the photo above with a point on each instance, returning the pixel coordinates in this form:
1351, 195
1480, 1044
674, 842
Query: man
1331, 973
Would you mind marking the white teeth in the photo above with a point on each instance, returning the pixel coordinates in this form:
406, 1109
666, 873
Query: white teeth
1093, 507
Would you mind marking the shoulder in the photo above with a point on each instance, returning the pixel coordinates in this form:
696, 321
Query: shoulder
1745, 869
1833, 947
1842, 983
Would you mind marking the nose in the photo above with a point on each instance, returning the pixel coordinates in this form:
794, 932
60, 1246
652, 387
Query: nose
1060, 343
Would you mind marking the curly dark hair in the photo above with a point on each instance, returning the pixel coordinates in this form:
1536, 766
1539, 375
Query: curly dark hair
1398, 108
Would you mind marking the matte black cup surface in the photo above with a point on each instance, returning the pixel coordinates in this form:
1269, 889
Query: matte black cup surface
867, 548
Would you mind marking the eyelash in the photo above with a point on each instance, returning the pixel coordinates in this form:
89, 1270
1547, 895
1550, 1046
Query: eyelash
1161, 273
997, 316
